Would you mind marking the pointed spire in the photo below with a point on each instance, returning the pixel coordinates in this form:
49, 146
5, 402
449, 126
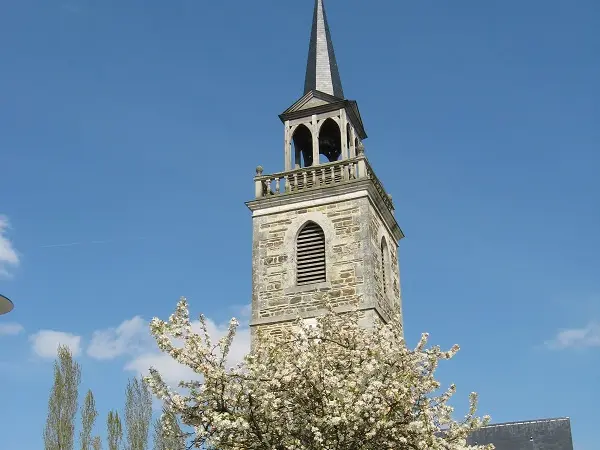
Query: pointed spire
321, 70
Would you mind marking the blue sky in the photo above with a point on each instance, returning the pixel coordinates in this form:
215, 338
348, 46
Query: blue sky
129, 134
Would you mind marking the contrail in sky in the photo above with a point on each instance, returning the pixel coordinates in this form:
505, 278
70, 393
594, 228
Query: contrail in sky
61, 245
73, 244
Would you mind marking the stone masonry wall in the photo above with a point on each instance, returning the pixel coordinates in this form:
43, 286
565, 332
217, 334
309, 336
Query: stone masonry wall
353, 262
390, 300
366, 319
275, 293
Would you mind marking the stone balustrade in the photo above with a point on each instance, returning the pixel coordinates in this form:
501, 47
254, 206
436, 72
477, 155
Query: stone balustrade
314, 177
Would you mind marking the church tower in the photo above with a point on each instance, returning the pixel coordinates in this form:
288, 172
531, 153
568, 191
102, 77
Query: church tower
324, 229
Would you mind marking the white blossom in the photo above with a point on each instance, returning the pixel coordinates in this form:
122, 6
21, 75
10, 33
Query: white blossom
330, 386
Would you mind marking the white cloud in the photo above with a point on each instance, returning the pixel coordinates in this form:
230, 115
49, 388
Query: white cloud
243, 311
132, 339
8, 255
173, 372
132, 336
588, 336
45, 343
10, 329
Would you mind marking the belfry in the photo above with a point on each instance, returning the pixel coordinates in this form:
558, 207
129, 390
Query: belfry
324, 229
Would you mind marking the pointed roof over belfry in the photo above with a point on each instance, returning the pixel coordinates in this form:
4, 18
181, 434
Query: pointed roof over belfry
323, 85
322, 72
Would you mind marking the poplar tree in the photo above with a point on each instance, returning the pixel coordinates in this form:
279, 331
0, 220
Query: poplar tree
88, 418
167, 432
59, 432
97, 443
115, 431
138, 413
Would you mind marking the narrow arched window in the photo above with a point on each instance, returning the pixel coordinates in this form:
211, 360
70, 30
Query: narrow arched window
310, 254
385, 262
348, 136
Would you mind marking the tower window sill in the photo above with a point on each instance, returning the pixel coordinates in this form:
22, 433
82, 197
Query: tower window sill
321, 286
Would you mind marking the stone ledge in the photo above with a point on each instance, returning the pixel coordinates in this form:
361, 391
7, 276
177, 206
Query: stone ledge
328, 192
312, 287
349, 190
308, 314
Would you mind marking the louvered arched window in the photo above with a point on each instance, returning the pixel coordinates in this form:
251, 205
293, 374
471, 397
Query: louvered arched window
310, 254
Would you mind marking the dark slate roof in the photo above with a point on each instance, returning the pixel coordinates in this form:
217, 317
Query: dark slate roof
544, 434
322, 72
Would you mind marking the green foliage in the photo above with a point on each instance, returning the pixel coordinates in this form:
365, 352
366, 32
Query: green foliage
59, 431
138, 413
167, 432
88, 418
97, 443
115, 431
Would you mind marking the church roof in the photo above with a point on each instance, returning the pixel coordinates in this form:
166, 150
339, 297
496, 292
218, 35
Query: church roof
544, 434
322, 72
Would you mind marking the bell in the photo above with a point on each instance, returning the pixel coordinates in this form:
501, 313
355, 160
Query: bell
330, 148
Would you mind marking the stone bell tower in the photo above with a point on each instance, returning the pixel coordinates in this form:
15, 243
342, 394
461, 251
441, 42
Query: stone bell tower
324, 228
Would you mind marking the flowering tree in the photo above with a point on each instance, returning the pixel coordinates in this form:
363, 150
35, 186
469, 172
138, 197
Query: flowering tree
332, 386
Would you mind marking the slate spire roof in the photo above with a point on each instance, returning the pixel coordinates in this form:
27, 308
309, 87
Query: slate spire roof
322, 72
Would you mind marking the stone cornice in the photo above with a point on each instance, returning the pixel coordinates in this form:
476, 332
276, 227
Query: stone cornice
362, 187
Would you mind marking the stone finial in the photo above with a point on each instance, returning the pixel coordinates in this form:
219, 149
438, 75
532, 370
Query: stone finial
390, 197
361, 148
259, 171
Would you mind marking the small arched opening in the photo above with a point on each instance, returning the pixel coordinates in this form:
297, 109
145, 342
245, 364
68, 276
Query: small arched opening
330, 141
302, 146
385, 267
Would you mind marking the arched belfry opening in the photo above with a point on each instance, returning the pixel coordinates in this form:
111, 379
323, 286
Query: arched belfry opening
330, 140
303, 148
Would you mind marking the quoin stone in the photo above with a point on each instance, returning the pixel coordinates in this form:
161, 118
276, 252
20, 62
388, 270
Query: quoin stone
324, 228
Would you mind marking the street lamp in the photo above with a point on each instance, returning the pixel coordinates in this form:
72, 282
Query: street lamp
6, 305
